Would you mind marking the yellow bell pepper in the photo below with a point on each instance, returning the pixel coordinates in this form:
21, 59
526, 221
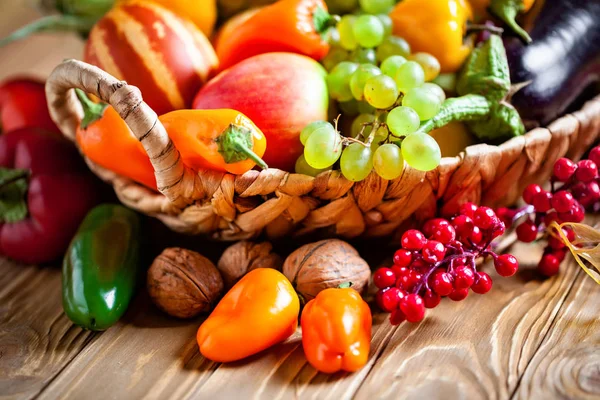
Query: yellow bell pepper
436, 27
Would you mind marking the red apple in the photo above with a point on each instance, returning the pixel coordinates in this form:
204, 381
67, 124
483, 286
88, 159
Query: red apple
280, 92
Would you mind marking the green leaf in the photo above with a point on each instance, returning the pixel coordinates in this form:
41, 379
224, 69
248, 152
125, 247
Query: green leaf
13, 190
585, 246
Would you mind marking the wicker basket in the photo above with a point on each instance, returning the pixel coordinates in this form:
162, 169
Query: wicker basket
278, 203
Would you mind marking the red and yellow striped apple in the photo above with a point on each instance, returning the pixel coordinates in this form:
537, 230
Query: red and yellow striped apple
166, 57
280, 92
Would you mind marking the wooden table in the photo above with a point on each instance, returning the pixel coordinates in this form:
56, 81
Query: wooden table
528, 338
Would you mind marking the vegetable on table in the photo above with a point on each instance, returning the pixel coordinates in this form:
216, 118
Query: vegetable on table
561, 61
336, 330
45, 191
437, 27
106, 139
183, 283
296, 26
221, 140
168, 58
101, 267
280, 92
326, 264
244, 256
260, 311
23, 104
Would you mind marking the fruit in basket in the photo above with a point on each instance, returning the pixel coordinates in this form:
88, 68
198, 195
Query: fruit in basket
23, 104
220, 140
105, 138
45, 191
166, 57
317, 266
436, 27
452, 138
183, 283
571, 63
258, 312
280, 92
336, 330
296, 26
101, 267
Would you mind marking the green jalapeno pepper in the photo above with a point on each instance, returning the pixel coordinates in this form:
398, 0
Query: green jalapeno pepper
101, 266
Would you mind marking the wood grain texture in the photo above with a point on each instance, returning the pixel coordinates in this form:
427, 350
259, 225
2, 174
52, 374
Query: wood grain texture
567, 364
477, 348
36, 339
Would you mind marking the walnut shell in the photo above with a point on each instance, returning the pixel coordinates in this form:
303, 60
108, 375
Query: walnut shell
184, 283
239, 259
326, 264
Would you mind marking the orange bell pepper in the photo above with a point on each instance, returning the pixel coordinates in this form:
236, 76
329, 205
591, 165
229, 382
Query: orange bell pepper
221, 140
295, 26
107, 140
258, 312
437, 27
232, 24
336, 330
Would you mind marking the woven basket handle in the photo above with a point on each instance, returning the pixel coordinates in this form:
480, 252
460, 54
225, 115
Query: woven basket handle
67, 113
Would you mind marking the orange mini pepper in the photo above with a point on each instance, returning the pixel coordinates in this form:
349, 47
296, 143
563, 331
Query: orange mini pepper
437, 27
258, 312
221, 140
107, 140
336, 330
294, 26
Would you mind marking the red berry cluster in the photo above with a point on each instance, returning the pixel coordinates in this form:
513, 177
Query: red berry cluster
439, 261
574, 188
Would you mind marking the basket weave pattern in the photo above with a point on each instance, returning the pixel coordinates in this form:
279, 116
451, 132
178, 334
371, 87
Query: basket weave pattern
229, 207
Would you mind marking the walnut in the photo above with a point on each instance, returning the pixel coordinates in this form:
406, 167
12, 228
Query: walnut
184, 283
239, 259
326, 264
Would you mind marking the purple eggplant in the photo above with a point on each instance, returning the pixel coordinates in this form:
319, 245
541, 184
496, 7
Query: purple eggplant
561, 62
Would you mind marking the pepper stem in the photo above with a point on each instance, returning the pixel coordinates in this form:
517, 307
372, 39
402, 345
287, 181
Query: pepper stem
507, 11
235, 145
91, 111
13, 189
52, 23
322, 20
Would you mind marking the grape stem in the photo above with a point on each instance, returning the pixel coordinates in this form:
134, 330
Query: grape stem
376, 125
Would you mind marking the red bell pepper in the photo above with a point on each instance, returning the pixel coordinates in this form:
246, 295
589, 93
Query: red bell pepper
45, 191
23, 104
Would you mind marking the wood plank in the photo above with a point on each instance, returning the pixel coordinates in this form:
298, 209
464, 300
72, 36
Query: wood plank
36, 339
477, 348
567, 364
